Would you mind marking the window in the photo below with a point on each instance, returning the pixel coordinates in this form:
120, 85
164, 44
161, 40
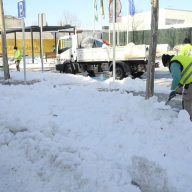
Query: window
173, 21
64, 44
180, 21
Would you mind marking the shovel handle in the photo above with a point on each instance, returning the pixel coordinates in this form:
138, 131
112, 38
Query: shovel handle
178, 86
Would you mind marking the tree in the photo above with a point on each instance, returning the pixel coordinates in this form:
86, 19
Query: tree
69, 18
4, 43
152, 49
137, 21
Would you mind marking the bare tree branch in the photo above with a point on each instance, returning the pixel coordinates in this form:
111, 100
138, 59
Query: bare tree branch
69, 18
137, 21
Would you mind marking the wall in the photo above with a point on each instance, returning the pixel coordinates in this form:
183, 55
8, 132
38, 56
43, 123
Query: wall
47, 46
179, 14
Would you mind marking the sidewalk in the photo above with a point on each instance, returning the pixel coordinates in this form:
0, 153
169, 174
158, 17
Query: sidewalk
29, 67
16, 82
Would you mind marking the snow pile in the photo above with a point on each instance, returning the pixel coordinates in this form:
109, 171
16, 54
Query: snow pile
150, 176
64, 134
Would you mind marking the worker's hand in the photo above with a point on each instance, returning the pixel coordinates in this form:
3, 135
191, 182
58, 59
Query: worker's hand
172, 94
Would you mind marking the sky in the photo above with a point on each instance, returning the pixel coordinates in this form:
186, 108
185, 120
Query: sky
82, 9
69, 133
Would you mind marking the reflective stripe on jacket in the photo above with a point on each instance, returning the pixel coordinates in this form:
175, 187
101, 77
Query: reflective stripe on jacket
17, 55
186, 68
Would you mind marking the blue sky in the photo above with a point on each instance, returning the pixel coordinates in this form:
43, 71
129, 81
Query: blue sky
82, 8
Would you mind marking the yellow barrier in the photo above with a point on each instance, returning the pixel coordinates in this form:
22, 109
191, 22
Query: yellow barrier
47, 46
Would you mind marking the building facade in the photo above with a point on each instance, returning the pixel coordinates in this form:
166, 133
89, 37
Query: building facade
11, 21
168, 18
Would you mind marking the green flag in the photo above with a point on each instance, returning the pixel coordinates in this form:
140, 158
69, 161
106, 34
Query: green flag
95, 10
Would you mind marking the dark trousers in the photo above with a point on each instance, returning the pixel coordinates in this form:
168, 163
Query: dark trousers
187, 99
17, 65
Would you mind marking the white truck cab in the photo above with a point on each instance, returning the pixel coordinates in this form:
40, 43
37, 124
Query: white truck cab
66, 48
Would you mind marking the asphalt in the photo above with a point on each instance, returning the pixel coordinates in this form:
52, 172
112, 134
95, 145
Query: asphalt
16, 82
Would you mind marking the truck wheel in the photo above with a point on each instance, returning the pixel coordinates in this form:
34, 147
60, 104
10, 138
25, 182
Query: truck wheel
120, 74
69, 69
137, 74
91, 74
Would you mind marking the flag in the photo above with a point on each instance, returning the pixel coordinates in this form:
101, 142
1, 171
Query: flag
102, 10
131, 8
95, 10
109, 6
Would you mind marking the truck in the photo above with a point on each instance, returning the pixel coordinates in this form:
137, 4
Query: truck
77, 54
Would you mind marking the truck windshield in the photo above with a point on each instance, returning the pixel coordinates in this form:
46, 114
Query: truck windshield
64, 44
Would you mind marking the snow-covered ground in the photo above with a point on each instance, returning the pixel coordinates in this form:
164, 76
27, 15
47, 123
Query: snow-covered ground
66, 133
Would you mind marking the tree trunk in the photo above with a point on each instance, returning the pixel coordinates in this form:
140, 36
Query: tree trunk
4, 43
152, 49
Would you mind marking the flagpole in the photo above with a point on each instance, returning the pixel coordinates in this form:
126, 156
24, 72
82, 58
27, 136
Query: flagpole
109, 34
101, 15
114, 67
127, 22
130, 11
101, 23
93, 17
109, 26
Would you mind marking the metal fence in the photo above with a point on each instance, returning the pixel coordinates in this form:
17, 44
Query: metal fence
170, 36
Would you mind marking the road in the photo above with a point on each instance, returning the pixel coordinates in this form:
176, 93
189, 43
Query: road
162, 75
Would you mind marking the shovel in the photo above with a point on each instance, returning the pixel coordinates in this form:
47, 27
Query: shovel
179, 86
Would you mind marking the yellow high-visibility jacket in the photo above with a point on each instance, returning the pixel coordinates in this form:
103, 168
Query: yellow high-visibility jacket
17, 55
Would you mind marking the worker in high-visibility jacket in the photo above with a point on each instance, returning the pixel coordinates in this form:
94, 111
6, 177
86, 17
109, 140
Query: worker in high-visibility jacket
181, 69
17, 57
187, 49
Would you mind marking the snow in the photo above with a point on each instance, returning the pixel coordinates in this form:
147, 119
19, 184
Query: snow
69, 133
